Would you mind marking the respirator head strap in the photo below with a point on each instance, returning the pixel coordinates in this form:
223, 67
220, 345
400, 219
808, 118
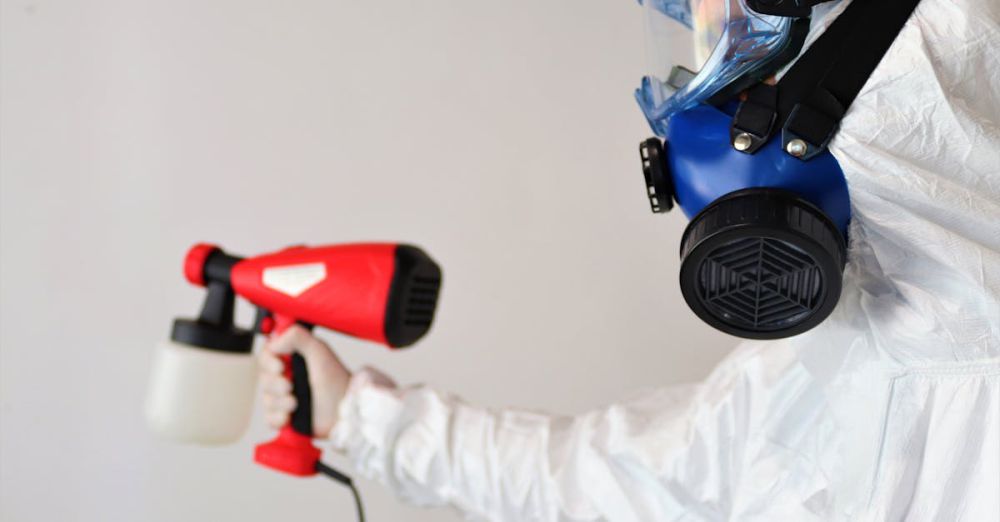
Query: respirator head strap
791, 8
811, 125
754, 121
815, 93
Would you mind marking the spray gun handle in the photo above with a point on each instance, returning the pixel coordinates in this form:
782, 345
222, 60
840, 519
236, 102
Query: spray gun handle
292, 451
296, 372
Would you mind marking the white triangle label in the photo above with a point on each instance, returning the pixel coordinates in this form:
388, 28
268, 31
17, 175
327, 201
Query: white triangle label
293, 280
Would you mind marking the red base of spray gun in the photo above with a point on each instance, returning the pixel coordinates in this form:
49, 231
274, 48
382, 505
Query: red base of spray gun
290, 452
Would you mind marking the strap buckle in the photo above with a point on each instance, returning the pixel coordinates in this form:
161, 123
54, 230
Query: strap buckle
754, 121
811, 125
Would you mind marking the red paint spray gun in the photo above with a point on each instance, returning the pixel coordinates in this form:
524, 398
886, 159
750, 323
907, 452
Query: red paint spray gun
203, 380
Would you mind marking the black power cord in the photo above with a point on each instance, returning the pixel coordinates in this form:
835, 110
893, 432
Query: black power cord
345, 480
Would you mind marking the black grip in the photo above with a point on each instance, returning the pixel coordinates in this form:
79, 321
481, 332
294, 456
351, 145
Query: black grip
301, 419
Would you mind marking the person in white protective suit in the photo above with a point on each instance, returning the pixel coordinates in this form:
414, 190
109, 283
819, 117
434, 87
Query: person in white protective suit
889, 409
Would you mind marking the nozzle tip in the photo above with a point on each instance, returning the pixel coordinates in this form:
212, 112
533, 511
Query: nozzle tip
194, 262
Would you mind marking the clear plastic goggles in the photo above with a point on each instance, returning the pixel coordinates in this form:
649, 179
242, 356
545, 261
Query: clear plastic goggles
734, 47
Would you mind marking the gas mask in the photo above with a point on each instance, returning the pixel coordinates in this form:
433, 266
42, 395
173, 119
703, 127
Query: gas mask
745, 156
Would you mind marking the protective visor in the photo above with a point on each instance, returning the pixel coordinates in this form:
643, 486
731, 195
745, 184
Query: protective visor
734, 48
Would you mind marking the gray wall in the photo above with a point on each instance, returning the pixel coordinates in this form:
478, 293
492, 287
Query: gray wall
501, 136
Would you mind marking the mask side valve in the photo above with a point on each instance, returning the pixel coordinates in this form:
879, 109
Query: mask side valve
659, 188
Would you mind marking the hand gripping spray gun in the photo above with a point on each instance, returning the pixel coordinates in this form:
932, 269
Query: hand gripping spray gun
203, 380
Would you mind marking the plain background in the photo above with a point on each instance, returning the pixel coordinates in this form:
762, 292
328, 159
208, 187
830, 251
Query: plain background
500, 136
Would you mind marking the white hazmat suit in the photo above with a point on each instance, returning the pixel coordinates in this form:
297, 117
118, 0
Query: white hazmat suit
889, 410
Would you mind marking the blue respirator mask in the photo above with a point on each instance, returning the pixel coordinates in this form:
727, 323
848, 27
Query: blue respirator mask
745, 156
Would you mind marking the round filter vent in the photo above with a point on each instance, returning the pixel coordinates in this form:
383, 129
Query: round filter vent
762, 264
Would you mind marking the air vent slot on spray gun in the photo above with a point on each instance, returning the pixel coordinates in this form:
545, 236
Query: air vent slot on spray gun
421, 301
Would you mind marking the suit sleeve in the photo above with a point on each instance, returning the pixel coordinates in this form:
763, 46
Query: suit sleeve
666, 454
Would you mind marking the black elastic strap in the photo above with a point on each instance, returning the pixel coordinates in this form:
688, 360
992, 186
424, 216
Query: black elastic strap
815, 93
795, 8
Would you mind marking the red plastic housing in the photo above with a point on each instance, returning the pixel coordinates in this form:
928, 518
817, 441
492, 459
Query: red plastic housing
342, 287
290, 452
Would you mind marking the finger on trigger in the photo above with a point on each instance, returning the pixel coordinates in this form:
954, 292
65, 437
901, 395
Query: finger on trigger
291, 339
